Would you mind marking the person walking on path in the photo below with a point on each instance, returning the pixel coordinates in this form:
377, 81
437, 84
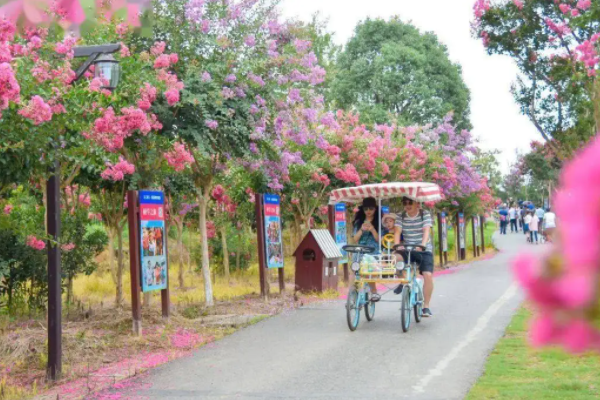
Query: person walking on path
540, 214
533, 228
549, 224
503, 219
526, 224
512, 215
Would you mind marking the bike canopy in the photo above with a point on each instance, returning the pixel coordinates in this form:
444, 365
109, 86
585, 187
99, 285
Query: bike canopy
418, 191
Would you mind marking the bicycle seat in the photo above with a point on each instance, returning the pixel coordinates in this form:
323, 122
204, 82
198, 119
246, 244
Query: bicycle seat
356, 248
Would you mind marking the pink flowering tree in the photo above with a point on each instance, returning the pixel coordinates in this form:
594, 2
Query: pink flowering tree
109, 135
555, 46
240, 66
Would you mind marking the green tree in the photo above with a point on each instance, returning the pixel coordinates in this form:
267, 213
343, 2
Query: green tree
550, 43
391, 67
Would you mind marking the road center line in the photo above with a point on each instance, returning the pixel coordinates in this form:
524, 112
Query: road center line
481, 324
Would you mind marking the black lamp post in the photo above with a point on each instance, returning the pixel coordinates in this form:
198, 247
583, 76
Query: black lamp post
107, 67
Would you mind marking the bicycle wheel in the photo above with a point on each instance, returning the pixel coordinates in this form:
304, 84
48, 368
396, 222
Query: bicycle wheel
370, 306
419, 304
406, 308
352, 309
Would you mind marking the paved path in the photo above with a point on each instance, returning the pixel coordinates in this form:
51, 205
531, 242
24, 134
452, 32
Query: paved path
311, 354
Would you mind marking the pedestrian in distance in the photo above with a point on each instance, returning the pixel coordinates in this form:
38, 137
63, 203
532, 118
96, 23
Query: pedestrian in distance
526, 224
549, 223
533, 228
512, 216
503, 219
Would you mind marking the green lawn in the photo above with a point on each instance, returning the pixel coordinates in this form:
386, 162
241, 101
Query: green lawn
515, 371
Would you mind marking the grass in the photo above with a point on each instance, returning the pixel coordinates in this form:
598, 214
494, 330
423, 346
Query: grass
517, 372
490, 228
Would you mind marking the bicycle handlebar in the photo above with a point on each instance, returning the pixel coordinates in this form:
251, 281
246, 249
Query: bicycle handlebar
408, 247
356, 248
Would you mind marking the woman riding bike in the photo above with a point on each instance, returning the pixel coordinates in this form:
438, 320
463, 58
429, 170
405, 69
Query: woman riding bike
366, 232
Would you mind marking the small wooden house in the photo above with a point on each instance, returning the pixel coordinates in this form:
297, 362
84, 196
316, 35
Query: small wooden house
317, 259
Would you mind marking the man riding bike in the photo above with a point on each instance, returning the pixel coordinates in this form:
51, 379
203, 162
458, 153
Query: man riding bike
415, 226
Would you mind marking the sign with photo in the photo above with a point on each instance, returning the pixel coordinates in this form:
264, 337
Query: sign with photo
462, 230
444, 229
341, 230
153, 249
273, 241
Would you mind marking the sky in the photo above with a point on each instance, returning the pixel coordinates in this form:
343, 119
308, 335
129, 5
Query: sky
496, 118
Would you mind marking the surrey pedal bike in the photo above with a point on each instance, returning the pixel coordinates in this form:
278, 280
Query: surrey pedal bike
383, 269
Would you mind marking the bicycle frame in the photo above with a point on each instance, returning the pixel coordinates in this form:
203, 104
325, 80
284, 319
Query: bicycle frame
411, 277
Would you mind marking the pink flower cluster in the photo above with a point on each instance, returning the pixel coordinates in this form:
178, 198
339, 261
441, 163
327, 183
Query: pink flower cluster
37, 110
118, 171
224, 202
321, 178
565, 286
211, 124
148, 96
518, 3
35, 243
480, 7
588, 55
179, 157
8, 209
9, 86
68, 247
348, 174
66, 47
110, 130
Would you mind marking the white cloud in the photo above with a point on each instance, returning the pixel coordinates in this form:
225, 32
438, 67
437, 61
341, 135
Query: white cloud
496, 118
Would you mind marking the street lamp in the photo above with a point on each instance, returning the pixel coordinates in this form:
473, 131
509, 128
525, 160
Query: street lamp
107, 67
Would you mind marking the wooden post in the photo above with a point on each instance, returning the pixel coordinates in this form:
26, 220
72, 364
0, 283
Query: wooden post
441, 245
482, 228
260, 232
462, 251
165, 299
281, 280
134, 260
54, 365
474, 234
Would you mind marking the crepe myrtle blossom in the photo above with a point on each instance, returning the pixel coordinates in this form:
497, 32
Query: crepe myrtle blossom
564, 284
68, 247
118, 171
35, 243
37, 110
211, 124
179, 157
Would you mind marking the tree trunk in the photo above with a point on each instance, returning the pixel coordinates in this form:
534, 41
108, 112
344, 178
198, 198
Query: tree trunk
180, 247
225, 252
297, 231
119, 294
238, 259
111, 253
70, 289
203, 197
596, 100
189, 249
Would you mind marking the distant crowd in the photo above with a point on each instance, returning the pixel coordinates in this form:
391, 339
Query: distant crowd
538, 224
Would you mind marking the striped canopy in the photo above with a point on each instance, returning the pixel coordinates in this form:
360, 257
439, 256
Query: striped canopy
418, 191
